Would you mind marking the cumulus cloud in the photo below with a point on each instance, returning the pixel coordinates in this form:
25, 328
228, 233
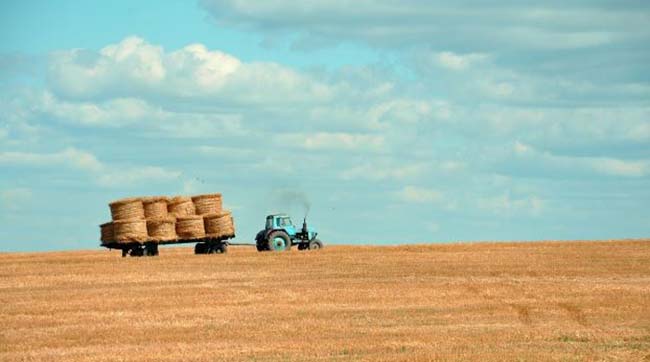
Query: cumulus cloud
454, 61
530, 161
553, 25
508, 206
384, 170
333, 141
72, 158
416, 194
136, 68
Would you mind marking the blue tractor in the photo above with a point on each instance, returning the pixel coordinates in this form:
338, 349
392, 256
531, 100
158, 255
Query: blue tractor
280, 234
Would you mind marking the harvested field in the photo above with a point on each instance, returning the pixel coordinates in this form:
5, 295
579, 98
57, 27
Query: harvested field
573, 301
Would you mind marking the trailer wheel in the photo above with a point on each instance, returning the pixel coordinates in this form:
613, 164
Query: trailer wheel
137, 250
315, 244
200, 248
150, 249
222, 248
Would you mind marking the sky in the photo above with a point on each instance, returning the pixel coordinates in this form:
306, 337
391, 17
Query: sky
395, 121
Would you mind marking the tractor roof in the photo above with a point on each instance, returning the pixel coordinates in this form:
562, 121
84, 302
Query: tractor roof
278, 215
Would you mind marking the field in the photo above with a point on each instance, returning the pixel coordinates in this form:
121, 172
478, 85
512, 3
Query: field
571, 301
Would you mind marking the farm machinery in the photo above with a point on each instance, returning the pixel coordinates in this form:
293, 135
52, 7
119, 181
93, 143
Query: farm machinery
279, 234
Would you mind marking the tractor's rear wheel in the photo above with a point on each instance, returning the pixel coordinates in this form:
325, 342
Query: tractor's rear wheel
279, 241
315, 245
261, 246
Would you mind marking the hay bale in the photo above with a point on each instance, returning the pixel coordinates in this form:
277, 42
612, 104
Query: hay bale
219, 224
207, 204
107, 235
127, 209
155, 207
162, 229
190, 227
180, 206
130, 230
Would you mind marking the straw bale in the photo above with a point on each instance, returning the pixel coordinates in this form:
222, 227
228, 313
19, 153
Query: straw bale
190, 227
181, 206
219, 224
207, 204
107, 232
155, 207
130, 230
127, 209
162, 229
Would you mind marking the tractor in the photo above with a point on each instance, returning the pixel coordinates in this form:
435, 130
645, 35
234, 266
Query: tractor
280, 234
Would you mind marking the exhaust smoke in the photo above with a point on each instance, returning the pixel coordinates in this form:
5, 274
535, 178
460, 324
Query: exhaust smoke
293, 198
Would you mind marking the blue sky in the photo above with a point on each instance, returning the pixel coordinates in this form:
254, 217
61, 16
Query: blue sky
400, 122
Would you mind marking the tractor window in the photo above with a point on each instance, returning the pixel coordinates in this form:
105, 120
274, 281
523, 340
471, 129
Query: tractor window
285, 221
269, 223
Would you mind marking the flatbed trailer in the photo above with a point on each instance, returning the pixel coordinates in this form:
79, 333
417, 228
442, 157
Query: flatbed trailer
206, 245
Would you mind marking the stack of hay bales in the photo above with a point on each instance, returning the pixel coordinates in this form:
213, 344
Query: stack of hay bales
160, 218
129, 223
217, 222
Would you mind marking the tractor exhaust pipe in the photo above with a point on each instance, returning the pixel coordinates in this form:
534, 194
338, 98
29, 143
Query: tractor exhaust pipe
304, 225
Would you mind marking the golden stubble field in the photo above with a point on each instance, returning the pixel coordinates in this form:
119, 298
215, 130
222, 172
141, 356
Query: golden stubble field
572, 301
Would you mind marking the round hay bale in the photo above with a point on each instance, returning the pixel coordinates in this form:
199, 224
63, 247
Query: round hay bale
181, 206
207, 204
107, 233
155, 207
130, 230
162, 229
127, 209
219, 224
190, 227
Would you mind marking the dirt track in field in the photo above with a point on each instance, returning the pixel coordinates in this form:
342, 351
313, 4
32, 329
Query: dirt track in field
571, 301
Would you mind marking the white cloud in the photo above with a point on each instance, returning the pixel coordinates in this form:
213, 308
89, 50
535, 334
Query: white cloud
333, 141
414, 194
105, 175
454, 61
117, 176
69, 157
506, 205
385, 23
616, 167
134, 67
383, 170
112, 113
552, 163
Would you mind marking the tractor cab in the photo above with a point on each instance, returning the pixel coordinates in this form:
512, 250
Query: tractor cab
280, 234
281, 222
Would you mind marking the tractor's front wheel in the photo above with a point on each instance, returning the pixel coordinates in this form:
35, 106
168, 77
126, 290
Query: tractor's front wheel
279, 241
315, 245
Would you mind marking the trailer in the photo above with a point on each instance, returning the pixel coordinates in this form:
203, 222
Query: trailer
206, 245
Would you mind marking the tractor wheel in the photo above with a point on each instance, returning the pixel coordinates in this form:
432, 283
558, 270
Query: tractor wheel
279, 241
315, 244
261, 246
